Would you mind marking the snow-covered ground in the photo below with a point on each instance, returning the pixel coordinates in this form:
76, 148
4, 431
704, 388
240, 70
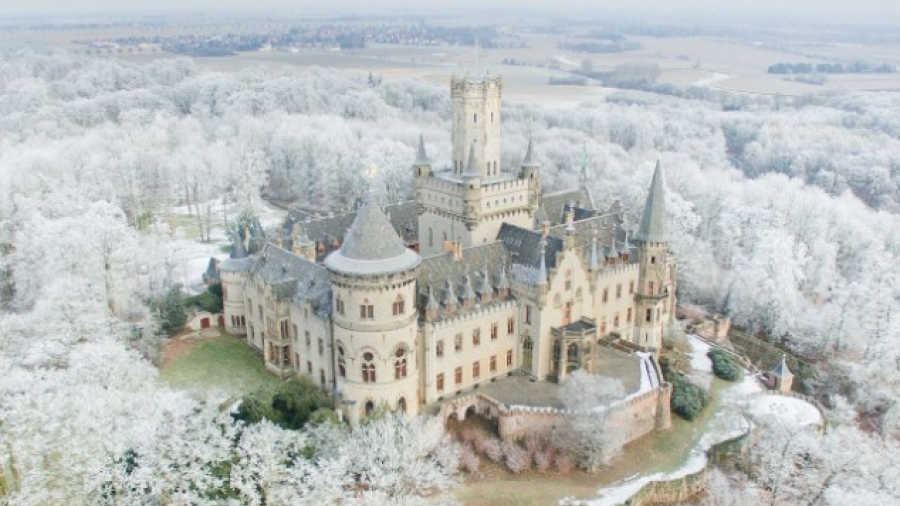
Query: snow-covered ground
190, 257
726, 424
714, 78
701, 364
790, 411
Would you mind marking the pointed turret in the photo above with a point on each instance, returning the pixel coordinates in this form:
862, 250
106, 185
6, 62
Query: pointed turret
431, 305
530, 160
654, 226
422, 157
485, 288
472, 164
372, 246
468, 292
238, 250
542, 278
613, 253
450, 301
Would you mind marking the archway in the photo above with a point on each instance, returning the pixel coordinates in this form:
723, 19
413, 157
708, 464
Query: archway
401, 405
370, 407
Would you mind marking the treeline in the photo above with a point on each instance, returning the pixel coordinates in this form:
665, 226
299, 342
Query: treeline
618, 46
832, 68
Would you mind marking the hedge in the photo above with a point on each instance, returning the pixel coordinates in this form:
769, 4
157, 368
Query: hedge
723, 365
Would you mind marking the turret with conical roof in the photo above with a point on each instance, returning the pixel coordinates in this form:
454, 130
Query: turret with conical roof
655, 294
422, 165
373, 280
372, 246
654, 221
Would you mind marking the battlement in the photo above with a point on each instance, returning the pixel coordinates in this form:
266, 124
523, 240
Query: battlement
466, 86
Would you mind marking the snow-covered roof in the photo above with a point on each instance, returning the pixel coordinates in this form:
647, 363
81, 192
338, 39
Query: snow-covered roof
781, 370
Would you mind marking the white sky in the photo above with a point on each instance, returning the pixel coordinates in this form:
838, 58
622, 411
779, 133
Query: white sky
835, 11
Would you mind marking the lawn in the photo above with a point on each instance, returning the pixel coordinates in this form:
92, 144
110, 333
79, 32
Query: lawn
219, 363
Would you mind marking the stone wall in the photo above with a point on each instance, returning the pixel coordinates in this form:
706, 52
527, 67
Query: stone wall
640, 414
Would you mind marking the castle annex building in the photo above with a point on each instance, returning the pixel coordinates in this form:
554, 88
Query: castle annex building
480, 295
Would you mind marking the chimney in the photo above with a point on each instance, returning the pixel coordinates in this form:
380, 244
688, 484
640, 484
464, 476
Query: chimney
457, 251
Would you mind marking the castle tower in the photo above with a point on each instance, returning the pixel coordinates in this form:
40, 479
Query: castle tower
470, 200
234, 272
476, 124
374, 318
655, 295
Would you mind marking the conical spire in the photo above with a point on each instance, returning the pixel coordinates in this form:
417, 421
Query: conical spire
449, 296
237, 247
468, 291
484, 288
542, 268
432, 303
372, 246
421, 156
654, 220
529, 155
502, 283
613, 252
471, 168
626, 248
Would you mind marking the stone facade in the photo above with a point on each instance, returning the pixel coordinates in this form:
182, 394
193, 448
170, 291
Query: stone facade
508, 281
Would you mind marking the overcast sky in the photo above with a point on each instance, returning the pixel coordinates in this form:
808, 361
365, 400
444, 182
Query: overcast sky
836, 11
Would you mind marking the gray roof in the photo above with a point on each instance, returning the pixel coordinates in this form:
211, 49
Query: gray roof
444, 274
330, 231
294, 278
372, 246
525, 246
781, 370
654, 227
421, 156
553, 205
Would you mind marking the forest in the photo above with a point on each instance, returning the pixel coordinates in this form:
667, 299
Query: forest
784, 216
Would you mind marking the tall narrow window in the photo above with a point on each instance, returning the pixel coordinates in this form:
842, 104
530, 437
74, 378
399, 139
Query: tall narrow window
528, 314
619, 291
439, 348
400, 363
628, 316
510, 326
605, 295
509, 358
399, 306
649, 316
476, 336
495, 331
493, 363
368, 368
440, 382
366, 311
457, 342
342, 365
476, 370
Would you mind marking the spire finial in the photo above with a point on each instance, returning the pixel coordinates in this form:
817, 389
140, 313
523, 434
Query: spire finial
542, 268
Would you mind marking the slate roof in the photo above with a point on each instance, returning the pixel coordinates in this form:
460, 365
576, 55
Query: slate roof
781, 370
654, 226
439, 270
525, 246
331, 230
371, 246
553, 205
294, 278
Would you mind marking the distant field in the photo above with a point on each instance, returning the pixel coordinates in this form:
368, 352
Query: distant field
739, 64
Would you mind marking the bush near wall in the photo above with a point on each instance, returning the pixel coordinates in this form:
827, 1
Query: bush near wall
688, 398
724, 366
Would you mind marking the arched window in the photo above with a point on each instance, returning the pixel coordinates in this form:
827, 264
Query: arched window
400, 362
368, 368
342, 364
399, 306
401, 405
370, 407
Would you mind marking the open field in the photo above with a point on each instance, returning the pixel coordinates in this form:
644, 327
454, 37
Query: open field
737, 64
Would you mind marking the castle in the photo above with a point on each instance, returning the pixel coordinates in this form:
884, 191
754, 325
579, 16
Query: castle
483, 285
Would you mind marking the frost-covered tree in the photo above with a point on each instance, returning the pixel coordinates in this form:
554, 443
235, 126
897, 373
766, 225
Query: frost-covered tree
589, 432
